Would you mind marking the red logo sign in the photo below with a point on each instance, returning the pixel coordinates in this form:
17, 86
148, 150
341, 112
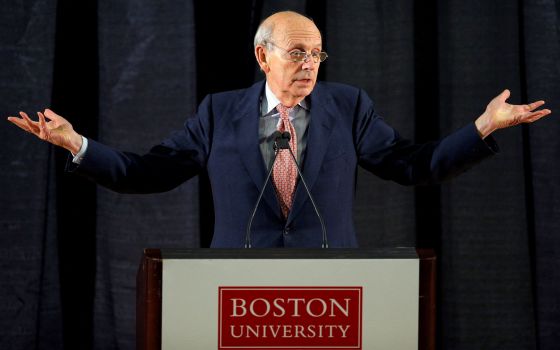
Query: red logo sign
277, 318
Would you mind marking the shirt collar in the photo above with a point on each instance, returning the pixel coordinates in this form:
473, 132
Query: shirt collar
270, 101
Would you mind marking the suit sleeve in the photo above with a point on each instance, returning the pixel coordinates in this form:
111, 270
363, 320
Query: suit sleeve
167, 165
384, 152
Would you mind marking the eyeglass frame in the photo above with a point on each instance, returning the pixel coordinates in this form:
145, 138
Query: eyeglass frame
315, 56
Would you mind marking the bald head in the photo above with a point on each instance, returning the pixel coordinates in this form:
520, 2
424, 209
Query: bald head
281, 40
280, 24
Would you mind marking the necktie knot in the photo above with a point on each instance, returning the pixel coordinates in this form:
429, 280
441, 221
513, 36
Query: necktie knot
284, 111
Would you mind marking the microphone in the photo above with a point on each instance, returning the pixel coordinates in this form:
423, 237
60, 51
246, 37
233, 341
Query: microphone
282, 141
286, 136
278, 140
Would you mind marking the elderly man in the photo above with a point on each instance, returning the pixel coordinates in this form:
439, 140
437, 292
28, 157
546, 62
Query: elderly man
332, 128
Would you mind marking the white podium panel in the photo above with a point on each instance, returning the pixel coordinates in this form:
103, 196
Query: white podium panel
303, 302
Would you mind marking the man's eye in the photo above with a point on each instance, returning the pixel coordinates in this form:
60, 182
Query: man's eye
297, 54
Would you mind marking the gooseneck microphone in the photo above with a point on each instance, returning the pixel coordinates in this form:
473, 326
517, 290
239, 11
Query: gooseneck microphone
277, 136
324, 244
282, 141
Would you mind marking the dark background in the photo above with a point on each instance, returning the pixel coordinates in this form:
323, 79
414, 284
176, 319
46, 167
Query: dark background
128, 72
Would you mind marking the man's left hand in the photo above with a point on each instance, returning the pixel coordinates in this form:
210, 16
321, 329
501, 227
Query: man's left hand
499, 114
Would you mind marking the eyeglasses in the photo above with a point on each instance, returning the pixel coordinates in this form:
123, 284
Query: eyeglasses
302, 56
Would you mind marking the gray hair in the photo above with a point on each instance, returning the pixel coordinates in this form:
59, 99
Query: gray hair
264, 34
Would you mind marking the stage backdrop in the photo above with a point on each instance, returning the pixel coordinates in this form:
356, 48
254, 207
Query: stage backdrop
128, 72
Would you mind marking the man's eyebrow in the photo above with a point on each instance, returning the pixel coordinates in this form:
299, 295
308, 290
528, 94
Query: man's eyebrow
301, 46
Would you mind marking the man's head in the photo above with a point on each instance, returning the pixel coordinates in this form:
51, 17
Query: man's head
279, 42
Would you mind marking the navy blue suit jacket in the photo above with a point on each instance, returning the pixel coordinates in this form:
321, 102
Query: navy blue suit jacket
222, 138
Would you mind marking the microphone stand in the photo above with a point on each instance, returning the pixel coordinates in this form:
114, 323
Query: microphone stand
324, 243
277, 135
282, 141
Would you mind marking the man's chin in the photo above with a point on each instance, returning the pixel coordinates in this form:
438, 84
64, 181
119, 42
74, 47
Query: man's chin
304, 86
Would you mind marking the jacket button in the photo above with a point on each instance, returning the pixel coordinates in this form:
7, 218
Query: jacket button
286, 230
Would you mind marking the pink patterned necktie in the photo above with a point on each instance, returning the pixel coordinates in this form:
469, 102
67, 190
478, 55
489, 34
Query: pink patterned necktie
284, 173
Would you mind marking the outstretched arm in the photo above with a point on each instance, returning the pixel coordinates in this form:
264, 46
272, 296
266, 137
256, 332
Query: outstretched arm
499, 114
56, 130
167, 165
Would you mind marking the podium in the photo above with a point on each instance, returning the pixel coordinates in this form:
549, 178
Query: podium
286, 299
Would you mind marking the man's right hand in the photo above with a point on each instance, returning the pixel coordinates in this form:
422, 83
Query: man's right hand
56, 130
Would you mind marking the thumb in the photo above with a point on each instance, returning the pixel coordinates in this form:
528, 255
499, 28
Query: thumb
50, 114
504, 95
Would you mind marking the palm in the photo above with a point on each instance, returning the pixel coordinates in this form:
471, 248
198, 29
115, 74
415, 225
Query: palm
57, 132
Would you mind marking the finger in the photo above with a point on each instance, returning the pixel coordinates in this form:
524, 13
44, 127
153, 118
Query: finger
25, 116
33, 126
42, 120
19, 123
43, 125
534, 105
534, 116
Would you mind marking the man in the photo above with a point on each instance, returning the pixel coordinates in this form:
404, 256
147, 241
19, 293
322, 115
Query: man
333, 128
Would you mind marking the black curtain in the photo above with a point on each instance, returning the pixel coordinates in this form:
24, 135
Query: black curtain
128, 72
30, 302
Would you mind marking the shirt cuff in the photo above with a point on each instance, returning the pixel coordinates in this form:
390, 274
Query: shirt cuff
81, 153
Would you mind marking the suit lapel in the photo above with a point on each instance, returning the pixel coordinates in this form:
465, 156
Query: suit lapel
320, 127
246, 128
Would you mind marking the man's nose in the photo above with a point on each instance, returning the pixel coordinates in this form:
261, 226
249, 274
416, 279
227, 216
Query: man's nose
309, 63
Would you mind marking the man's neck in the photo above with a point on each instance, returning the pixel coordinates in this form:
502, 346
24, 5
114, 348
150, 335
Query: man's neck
285, 99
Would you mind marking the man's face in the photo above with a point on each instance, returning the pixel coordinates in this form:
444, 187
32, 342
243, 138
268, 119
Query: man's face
292, 81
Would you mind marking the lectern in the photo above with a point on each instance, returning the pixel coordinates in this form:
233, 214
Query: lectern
286, 299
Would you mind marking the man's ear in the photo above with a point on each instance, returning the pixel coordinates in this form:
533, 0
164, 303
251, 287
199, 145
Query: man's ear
261, 56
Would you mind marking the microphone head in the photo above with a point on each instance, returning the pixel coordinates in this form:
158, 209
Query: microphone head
286, 135
276, 135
